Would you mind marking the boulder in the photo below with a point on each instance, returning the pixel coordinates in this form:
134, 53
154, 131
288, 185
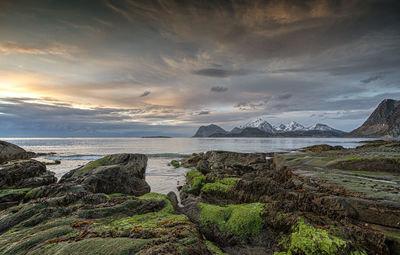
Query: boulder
234, 163
117, 173
203, 166
10, 151
25, 174
17, 178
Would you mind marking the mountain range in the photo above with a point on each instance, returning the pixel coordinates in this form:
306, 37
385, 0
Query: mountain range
262, 128
383, 122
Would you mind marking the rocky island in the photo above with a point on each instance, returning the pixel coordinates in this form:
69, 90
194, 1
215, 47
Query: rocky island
318, 200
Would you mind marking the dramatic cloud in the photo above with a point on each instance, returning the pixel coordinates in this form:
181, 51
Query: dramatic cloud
204, 112
56, 50
115, 66
146, 93
220, 73
371, 79
219, 89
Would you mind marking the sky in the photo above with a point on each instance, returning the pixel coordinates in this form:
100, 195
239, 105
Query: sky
165, 67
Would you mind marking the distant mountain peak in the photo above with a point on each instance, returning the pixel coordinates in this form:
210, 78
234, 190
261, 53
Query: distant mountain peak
259, 123
206, 131
383, 122
292, 126
321, 127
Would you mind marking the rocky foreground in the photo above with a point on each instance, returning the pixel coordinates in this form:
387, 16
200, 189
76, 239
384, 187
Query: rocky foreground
320, 200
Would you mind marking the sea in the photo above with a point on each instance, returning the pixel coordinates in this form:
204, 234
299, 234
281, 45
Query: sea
162, 178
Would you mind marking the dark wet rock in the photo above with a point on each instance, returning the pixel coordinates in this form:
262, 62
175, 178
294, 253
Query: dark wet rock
376, 164
227, 158
10, 151
192, 160
337, 206
173, 199
11, 197
385, 213
379, 143
230, 161
321, 148
257, 186
203, 166
25, 174
18, 177
118, 173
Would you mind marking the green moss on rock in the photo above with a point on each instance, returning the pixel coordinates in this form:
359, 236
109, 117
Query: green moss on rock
242, 220
108, 211
307, 240
151, 220
213, 248
196, 180
54, 162
92, 165
175, 163
222, 186
96, 246
7, 192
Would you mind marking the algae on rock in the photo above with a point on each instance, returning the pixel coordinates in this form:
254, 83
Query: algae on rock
242, 220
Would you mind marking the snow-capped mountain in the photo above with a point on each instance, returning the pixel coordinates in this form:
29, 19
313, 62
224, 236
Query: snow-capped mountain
292, 126
281, 127
261, 128
320, 127
259, 123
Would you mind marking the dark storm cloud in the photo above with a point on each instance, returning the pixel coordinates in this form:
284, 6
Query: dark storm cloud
371, 79
219, 89
284, 96
204, 113
221, 73
146, 93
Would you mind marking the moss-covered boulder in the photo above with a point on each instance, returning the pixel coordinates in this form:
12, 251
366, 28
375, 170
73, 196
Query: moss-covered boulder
117, 173
195, 180
117, 224
221, 189
243, 221
175, 163
306, 239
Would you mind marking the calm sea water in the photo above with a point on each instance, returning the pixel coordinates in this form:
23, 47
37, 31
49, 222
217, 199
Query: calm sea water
74, 152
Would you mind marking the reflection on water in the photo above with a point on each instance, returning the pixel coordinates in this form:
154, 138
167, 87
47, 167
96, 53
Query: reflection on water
162, 178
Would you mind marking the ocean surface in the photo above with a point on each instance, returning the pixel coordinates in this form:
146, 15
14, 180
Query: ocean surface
75, 152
